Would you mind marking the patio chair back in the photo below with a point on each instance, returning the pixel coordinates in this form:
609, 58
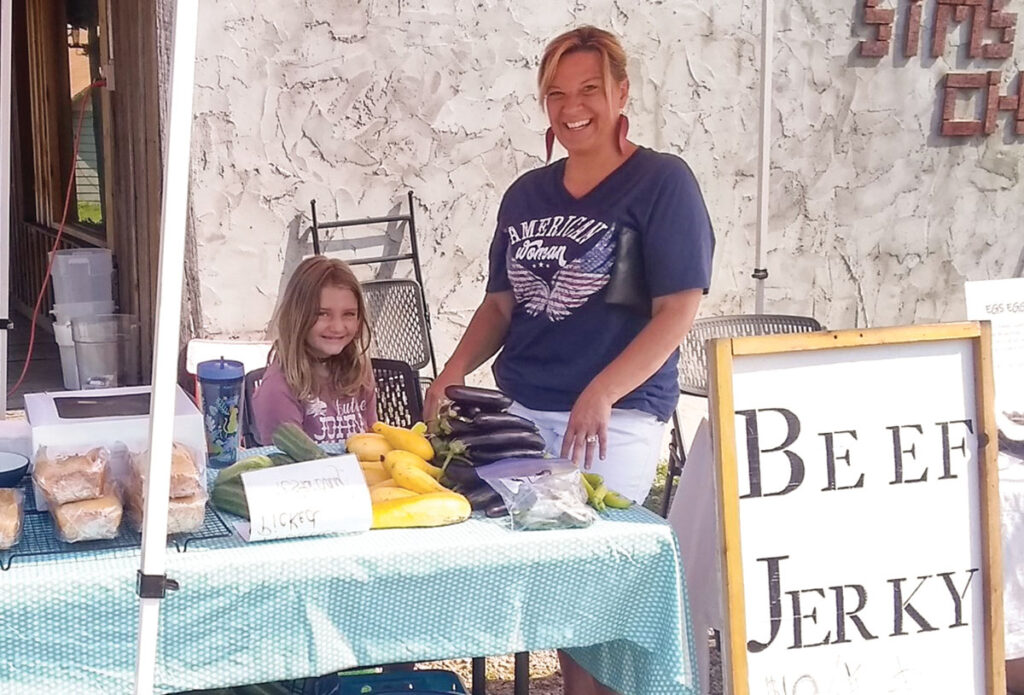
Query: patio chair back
398, 322
399, 317
693, 359
399, 399
693, 368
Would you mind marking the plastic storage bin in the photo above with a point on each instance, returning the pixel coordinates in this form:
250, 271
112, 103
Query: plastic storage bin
65, 313
106, 350
82, 275
427, 682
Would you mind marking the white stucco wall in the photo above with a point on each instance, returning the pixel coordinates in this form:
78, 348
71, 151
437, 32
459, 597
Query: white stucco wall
875, 219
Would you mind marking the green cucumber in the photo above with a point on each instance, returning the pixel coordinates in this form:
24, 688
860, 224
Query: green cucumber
289, 438
253, 463
230, 497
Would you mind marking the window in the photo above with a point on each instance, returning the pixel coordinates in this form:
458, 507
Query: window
63, 62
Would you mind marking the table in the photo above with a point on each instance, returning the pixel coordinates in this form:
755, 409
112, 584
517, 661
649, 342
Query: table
615, 593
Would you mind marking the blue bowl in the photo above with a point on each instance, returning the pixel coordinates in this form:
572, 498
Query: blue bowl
12, 468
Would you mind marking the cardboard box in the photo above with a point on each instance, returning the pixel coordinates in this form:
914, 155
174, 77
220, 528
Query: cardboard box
72, 422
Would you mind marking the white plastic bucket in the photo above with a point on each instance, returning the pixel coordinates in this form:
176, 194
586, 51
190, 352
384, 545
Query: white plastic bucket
68, 359
83, 275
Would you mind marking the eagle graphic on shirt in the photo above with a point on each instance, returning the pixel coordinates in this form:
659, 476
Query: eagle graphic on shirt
570, 286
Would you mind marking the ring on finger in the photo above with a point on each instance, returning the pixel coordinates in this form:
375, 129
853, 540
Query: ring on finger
591, 439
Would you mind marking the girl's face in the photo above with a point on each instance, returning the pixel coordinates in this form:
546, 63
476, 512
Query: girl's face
577, 104
337, 322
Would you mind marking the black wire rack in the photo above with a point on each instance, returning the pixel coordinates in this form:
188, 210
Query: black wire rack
39, 536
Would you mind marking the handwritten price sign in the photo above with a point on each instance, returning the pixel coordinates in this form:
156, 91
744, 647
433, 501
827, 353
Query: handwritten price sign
307, 499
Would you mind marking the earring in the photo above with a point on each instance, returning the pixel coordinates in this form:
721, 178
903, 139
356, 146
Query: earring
549, 143
623, 131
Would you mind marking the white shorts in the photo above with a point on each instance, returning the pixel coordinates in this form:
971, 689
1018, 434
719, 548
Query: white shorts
634, 447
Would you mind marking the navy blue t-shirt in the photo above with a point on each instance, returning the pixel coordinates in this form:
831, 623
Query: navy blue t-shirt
557, 253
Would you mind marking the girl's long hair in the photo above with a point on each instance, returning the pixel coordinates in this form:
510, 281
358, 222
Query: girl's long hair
298, 310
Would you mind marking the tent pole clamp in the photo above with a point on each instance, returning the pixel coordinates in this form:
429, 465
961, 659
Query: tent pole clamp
154, 585
760, 274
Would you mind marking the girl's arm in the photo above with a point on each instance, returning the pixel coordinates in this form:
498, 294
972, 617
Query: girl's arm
672, 316
483, 337
272, 405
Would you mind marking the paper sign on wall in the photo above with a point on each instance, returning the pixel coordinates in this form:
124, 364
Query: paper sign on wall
307, 499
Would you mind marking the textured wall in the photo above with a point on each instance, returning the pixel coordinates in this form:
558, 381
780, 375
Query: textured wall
875, 219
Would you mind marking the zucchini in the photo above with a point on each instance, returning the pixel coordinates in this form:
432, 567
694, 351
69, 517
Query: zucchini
230, 497
472, 396
289, 438
253, 463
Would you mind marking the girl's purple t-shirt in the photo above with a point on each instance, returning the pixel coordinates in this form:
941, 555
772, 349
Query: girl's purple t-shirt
327, 419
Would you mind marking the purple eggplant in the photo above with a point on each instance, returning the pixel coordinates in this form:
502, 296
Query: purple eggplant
488, 400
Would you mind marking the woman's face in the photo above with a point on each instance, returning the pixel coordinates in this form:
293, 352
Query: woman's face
337, 322
577, 105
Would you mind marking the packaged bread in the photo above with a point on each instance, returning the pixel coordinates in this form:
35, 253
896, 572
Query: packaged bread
89, 520
12, 502
184, 514
186, 478
71, 478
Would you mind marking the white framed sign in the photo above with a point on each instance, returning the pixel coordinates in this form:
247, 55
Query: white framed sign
859, 508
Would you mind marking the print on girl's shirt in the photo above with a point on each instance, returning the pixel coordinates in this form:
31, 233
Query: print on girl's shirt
348, 419
555, 273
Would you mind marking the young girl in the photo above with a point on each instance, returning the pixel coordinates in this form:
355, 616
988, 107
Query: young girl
319, 375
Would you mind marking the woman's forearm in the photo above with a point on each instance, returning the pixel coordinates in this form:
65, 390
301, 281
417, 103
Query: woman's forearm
485, 334
672, 316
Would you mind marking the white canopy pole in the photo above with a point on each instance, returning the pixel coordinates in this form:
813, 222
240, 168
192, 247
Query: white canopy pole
6, 95
763, 152
166, 336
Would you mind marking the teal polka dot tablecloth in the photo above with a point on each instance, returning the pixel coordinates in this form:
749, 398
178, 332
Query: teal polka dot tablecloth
613, 593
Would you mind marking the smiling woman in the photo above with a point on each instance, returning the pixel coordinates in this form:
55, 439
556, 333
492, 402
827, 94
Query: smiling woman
597, 266
319, 376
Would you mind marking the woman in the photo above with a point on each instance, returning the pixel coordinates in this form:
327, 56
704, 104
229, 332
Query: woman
597, 267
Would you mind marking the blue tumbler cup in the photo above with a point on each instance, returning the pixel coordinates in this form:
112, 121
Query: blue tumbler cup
220, 389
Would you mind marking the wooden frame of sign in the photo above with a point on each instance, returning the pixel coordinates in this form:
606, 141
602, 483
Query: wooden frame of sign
859, 512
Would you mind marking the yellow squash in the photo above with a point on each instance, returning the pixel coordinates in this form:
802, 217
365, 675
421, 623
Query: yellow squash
434, 509
374, 476
368, 446
407, 440
412, 478
383, 494
412, 459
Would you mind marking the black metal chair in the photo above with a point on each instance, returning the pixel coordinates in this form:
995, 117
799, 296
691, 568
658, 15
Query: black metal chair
399, 318
693, 368
399, 399
252, 381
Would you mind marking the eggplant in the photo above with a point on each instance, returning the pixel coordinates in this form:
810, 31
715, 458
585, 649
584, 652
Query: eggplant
500, 439
496, 509
468, 412
488, 400
487, 422
483, 457
461, 473
482, 496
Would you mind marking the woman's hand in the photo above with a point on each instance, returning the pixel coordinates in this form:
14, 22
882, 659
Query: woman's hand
435, 392
587, 430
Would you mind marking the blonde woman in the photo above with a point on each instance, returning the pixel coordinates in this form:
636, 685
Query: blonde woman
597, 267
319, 375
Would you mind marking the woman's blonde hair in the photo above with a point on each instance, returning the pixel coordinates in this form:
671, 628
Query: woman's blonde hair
585, 38
295, 316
